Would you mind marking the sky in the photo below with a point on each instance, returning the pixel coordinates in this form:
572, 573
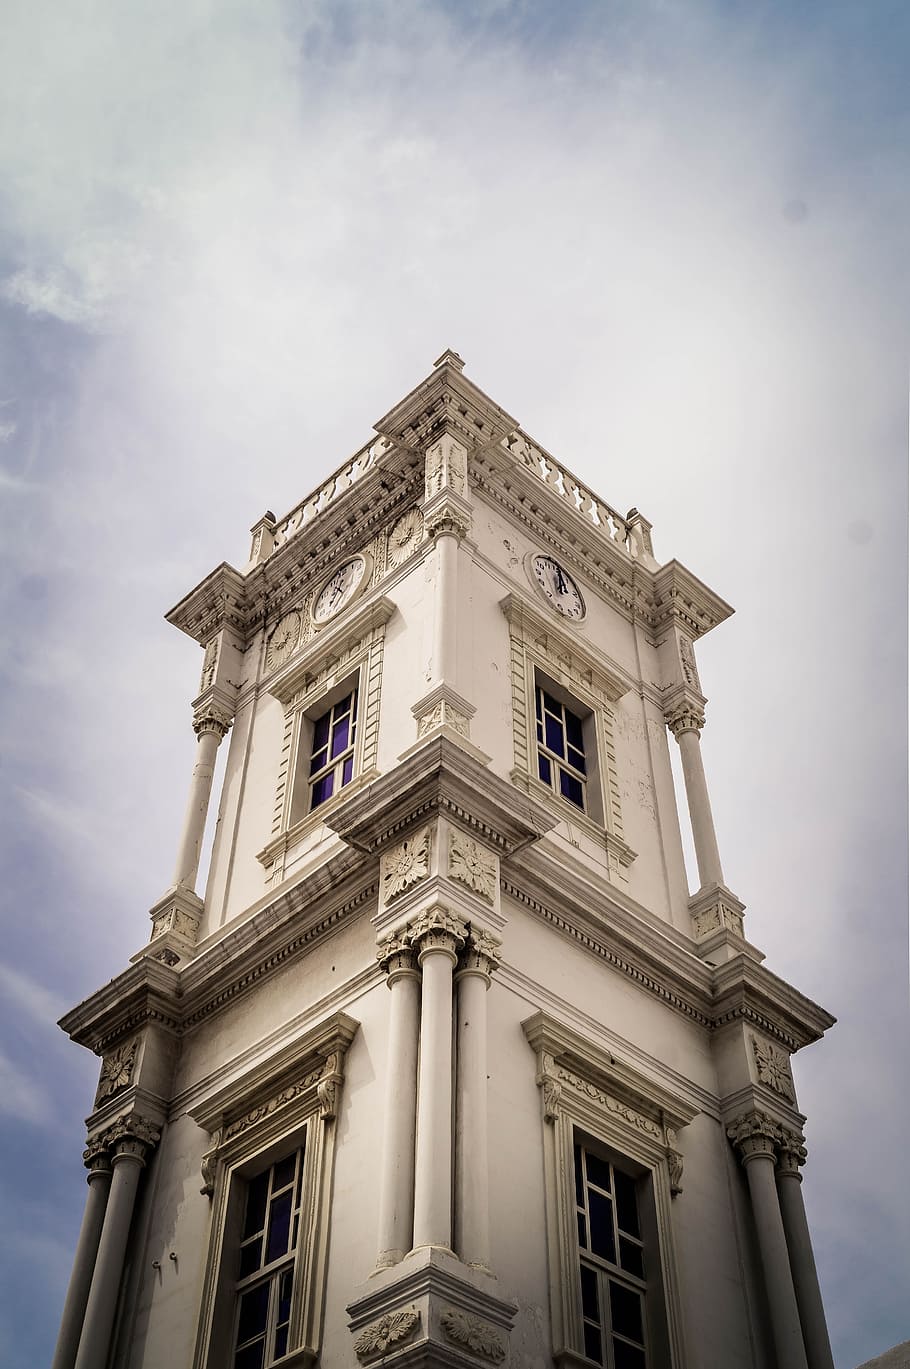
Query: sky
670, 237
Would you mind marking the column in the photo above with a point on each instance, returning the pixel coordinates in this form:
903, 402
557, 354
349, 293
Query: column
209, 727
438, 936
445, 609
754, 1137
127, 1160
99, 1181
791, 1154
686, 723
472, 1193
396, 1180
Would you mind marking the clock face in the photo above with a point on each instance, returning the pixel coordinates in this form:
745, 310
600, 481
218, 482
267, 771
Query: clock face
404, 536
557, 586
340, 590
283, 641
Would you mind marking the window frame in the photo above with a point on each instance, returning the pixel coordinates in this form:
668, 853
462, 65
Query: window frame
542, 686
591, 1098
300, 797
254, 1122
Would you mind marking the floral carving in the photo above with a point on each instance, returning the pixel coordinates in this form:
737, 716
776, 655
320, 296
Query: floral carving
685, 718
117, 1070
443, 714
475, 1335
329, 1086
773, 1068
549, 1085
472, 865
212, 719
284, 640
404, 537
265, 1109
388, 1331
435, 928
405, 864
209, 663
619, 1109
687, 661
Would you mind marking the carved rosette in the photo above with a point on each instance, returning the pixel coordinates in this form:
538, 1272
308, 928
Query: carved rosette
388, 1331
117, 1070
685, 717
471, 864
405, 865
772, 1066
404, 538
212, 719
478, 1337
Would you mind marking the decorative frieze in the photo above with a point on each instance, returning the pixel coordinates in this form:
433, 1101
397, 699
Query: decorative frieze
405, 865
280, 1100
388, 1331
772, 1065
117, 1070
476, 1336
471, 864
637, 1120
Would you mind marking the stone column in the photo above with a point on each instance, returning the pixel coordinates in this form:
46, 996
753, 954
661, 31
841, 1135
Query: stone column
472, 1190
438, 936
129, 1143
791, 1154
445, 607
209, 726
99, 1182
686, 723
755, 1137
396, 1180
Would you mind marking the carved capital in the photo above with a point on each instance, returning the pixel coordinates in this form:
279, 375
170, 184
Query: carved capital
128, 1137
447, 520
755, 1135
405, 865
396, 957
478, 1337
481, 954
685, 717
791, 1153
211, 719
436, 929
388, 1331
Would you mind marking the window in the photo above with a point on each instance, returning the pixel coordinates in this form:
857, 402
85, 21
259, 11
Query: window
561, 748
332, 749
266, 1263
611, 1262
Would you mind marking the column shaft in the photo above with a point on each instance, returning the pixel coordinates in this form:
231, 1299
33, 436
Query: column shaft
396, 1183
772, 1246
99, 1180
703, 835
444, 625
433, 1176
805, 1275
472, 1196
94, 1344
197, 808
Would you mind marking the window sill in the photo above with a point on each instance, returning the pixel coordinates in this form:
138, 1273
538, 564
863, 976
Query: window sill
278, 849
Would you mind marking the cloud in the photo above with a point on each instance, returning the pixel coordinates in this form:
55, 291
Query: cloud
28, 996
21, 1097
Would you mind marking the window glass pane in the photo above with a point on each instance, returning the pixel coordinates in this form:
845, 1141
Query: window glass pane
250, 1357
340, 736
625, 1311
319, 760
537, 704
593, 1348
582, 1231
279, 1227
554, 735
551, 704
579, 1179
321, 731
589, 1303
576, 758
598, 1171
573, 731
626, 1356
347, 770
322, 789
626, 1203
543, 768
250, 1257
285, 1284
281, 1342
254, 1309
630, 1257
602, 1241
256, 1194
344, 706
571, 788
284, 1173
540, 732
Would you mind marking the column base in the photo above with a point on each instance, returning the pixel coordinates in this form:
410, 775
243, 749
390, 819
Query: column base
175, 927
431, 1310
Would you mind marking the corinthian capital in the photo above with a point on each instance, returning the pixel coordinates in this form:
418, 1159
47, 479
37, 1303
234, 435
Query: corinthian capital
685, 717
791, 1152
482, 953
211, 719
754, 1134
436, 929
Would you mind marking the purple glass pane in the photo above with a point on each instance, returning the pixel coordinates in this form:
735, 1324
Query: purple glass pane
573, 730
281, 1342
340, 736
537, 700
554, 735
582, 1231
579, 1179
551, 705
322, 789
254, 1309
593, 1348
626, 1356
602, 1240
284, 1173
543, 768
571, 789
250, 1257
576, 758
598, 1171
347, 770
630, 1257
279, 1227
319, 760
285, 1285
589, 1305
256, 1195
321, 731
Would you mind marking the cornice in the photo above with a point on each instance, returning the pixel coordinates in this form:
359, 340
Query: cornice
446, 401
220, 600
145, 992
440, 776
746, 991
679, 596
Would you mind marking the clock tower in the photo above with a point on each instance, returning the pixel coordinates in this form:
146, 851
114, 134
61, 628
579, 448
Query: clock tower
445, 1064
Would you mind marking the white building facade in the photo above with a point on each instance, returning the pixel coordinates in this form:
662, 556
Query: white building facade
448, 1067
